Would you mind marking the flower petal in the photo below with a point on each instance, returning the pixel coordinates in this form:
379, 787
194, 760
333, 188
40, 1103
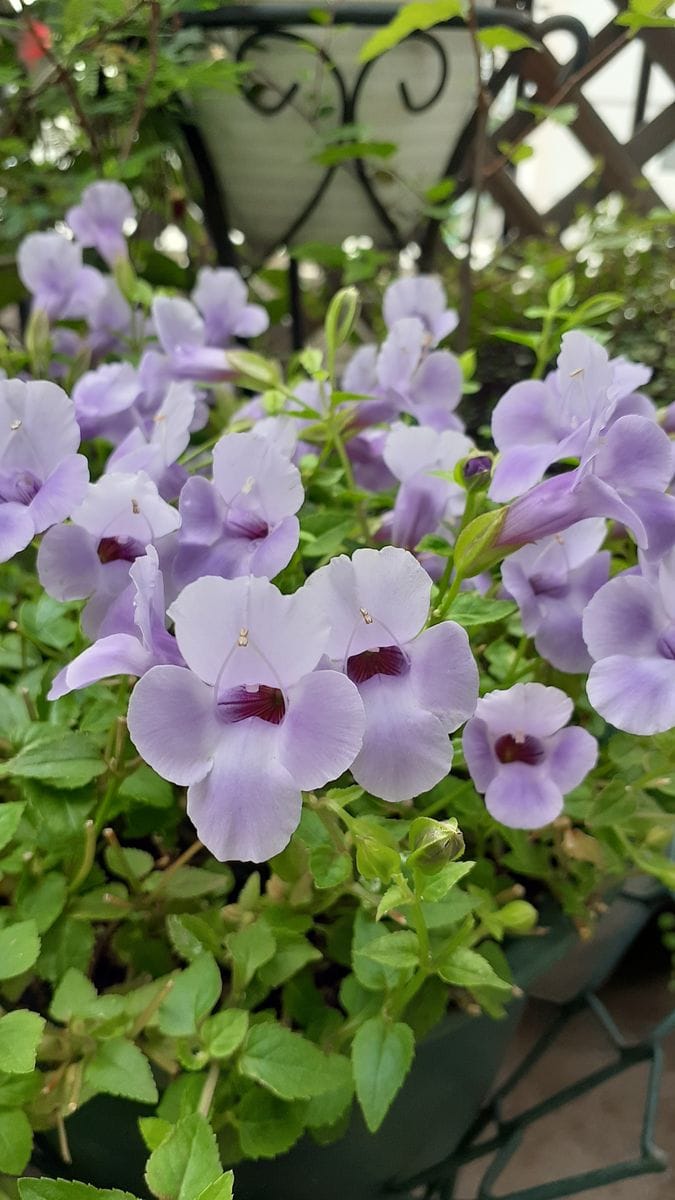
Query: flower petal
61, 493
480, 757
118, 654
444, 674
248, 806
406, 750
525, 708
523, 797
16, 530
250, 468
634, 694
173, 724
571, 754
322, 731
624, 617
67, 562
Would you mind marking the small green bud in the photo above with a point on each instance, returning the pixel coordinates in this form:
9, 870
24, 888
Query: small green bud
518, 916
38, 341
434, 843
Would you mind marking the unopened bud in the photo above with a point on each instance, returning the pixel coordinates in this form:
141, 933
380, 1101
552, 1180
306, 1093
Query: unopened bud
434, 843
476, 472
518, 916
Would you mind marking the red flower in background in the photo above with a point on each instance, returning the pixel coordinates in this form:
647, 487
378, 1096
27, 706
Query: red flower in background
35, 40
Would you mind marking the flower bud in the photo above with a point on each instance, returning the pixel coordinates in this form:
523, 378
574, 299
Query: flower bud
434, 843
518, 916
476, 472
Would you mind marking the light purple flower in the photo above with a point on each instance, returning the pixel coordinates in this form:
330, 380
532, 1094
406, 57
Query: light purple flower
244, 522
423, 297
50, 266
520, 756
101, 396
156, 442
109, 319
552, 582
629, 628
426, 385
99, 219
147, 645
426, 502
624, 480
537, 423
182, 336
416, 686
42, 477
222, 299
250, 724
119, 517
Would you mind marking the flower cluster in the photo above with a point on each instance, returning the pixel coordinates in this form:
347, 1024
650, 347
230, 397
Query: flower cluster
252, 693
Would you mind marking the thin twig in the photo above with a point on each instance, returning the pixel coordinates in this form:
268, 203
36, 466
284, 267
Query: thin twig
68, 85
153, 58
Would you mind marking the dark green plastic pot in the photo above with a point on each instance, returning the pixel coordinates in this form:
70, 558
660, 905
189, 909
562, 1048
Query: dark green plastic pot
452, 1073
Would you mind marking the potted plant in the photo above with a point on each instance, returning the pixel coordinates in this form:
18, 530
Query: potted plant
322, 726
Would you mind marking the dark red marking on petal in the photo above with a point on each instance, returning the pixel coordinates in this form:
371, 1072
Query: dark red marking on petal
387, 660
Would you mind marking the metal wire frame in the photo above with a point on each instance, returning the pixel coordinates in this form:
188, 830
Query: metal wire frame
268, 21
439, 1182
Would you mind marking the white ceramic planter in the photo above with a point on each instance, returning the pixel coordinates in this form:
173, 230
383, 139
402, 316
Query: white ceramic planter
265, 165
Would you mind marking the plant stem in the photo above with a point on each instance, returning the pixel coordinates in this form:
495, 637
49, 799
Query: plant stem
87, 858
210, 1084
337, 440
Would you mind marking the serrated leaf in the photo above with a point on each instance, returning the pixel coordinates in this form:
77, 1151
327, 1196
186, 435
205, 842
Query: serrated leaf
394, 950
188, 883
19, 948
119, 1068
73, 996
59, 757
195, 991
382, 1053
466, 968
190, 935
221, 1188
394, 897
185, 1162
283, 1062
470, 609
224, 1032
68, 943
42, 900
417, 15
20, 1034
267, 1126
249, 949
16, 1143
67, 1189
329, 867
11, 813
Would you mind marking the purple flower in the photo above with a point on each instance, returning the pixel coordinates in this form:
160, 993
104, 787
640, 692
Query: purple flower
148, 644
221, 297
624, 480
118, 518
42, 477
426, 385
426, 502
629, 628
108, 319
243, 523
156, 442
102, 396
182, 336
50, 266
537, 423
416, 686
520, 756
423, 297
552, 582
250, 724
99, 219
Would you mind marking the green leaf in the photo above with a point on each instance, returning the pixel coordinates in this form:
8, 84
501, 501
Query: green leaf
249, 948
420, 14
374, 976
382, 1053
43, 899
59, 757
20, 1034
224, 1032
16, 1143
292, 954
221, 1188
196, 990
121, 1069
470, 609
19, 948
66, 1189
394, 897
128, 862
190, 935
561, 292
267, 1126
283, 1062
326, 1109
188, 883
329, 867
503, 38
11, 813
475, 546
516, 152
146, 787
394, 949
465, 968
331, 156
186, 1162
153, 1131
69, 943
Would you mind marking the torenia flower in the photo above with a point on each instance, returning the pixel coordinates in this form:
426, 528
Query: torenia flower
426, 502
244, 522
146, 645
249, 724
552, 582
156, 442
99, 219
520, 756
182, 336
426, 385
119, 517
102, 396
51, 267
416, 686
537, 423
422, 297
629, 627
625, 480
42, 477
222, 299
